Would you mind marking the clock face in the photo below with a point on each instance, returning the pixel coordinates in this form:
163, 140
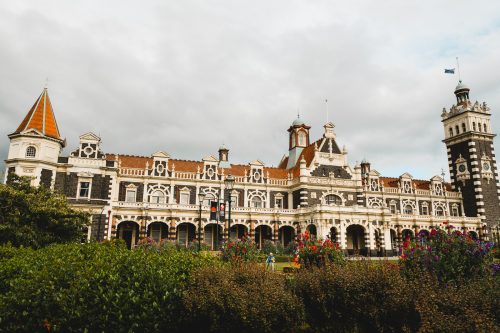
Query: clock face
486, 166
461, 168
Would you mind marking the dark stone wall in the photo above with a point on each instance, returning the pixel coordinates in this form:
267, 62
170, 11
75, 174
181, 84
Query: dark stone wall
296, 198
468, 193
490, 190
66, 184
96, 232
46, 177
324, 171
100, 187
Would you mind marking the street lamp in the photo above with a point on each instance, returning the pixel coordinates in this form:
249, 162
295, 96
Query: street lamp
229, 182
201, 197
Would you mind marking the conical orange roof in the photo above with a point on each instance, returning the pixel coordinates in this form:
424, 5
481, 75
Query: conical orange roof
41, 117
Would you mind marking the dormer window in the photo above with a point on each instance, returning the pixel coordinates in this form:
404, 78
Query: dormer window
332, 199
30, 152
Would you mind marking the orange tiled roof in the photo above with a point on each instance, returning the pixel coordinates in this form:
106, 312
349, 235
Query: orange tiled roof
419, 183
131, 161
41, 117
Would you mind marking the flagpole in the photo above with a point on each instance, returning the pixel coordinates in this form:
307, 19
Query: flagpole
326, 109
458, 67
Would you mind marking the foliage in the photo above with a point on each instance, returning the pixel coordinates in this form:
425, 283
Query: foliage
316, 252
363, 296
240, 250
448, 255
245, 298
36, 216
94, 287
272, 247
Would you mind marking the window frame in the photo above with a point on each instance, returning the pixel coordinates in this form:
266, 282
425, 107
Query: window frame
79, 193
30, 152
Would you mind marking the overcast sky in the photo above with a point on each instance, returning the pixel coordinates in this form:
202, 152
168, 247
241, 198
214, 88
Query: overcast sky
187, 76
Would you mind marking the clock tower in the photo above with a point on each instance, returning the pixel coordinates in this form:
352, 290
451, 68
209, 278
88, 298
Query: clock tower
471, 156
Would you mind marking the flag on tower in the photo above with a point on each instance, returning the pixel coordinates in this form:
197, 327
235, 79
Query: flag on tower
449, 71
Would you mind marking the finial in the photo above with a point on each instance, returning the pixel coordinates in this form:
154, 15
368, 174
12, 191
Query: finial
46, 83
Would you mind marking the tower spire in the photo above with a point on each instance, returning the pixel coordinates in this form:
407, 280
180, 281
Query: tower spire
41, 118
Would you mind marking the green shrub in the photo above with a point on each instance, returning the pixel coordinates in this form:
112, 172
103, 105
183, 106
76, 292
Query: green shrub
94, 287
245, 298
356, 297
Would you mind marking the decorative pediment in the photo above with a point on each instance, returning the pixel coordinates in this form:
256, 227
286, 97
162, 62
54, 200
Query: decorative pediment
89, 137
210, 159
160, 154
32, 131
437, 179
374, 173
257, 163
406, 175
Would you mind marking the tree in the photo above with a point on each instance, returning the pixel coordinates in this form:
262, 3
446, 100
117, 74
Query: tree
36, 216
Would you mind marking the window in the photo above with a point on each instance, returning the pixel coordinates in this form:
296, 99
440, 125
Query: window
454, 210
485, 128
479, 127
393, 207
425, 210
278, 202
156, 232
30, 152
208, 198
457, 130
157, 197
451, 131
256, 202
332, 199
408, 210
84, 190
439, 211
184, 198
463, 128
474, 126
293, 140
302, 139
130, 195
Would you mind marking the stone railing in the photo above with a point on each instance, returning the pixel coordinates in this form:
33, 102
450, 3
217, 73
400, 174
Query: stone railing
332, 181
131, 172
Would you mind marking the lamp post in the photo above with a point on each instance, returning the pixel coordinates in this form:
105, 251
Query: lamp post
201, 197
229, 182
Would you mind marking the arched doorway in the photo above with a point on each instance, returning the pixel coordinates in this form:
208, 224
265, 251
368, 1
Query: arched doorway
424, 233
213, 235
356, 239
286, 234
238, 231
473, 235
129, 232
312, 231
157, 231
334, 235
185, 234
407, 233
262, 233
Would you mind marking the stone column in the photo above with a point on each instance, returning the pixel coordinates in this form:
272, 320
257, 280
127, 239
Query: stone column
172, 230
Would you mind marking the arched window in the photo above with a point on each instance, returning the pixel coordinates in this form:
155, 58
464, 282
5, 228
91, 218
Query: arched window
451, 131
479, 127
457, 130
485, 128
408, 210
474, 126
293, 140
439, 211
463, 127
256, 202
208, 198
332, 199
157, 197
302, 139
30, 152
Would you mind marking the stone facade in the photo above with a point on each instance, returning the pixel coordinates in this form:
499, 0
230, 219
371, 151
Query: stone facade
314, 188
